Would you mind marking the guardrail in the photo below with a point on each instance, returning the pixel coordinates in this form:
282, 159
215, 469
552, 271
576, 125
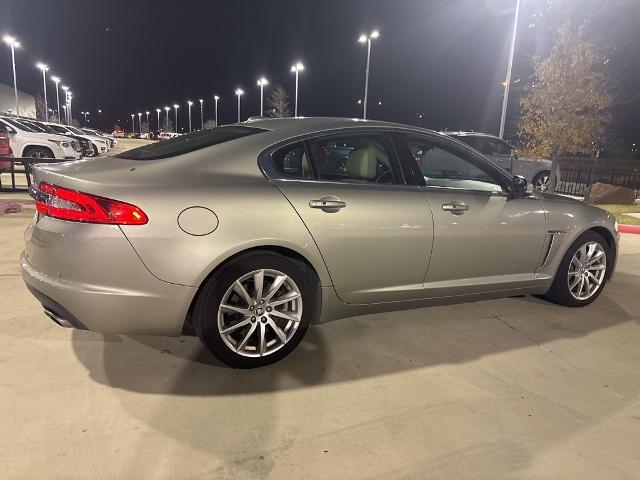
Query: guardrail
21, 166
574, 180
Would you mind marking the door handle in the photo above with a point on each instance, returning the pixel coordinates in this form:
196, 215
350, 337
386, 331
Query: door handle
457, 208
328, 204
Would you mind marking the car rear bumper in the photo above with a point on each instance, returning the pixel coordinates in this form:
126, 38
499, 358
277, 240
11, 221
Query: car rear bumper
89, 277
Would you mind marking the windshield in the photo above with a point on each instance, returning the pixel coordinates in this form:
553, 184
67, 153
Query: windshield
189, 143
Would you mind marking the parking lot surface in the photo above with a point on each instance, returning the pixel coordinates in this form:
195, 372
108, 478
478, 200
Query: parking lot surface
510, 388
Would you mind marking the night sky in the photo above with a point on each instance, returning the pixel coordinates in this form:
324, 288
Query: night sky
443, 58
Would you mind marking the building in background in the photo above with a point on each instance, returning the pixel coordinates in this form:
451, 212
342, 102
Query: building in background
26, 102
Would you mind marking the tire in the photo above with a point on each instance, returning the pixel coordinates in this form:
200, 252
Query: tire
560, 291
38, 152
95, 150
241, 346
541, 181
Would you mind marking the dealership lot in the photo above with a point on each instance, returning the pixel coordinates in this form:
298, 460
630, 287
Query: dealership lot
497, 389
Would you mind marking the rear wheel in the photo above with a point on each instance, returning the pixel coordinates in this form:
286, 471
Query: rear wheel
583, 272
541, 181
255, 310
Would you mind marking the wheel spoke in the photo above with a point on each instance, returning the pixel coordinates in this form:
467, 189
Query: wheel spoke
573, 284
595, 258
240, 290
284, 315
263, 343
597, 267
277, 283
594, 278
246, 337
242, 311
286, 298
580, 287
258, 279
279, 332
236, 326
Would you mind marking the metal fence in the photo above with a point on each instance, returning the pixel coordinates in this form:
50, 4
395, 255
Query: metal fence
574, 180
16, 167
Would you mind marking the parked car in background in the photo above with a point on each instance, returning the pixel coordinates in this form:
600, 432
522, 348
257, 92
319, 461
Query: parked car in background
98, 144
264, 243
118, 133
86, 148
537, 171
28, 142
110, 138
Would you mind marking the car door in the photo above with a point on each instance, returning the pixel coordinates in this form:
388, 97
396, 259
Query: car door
373, 228
484, 239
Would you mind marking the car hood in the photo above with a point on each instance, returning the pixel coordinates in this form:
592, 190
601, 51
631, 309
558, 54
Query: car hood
555, 198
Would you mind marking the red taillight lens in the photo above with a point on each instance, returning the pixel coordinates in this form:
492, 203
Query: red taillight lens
74, 206
5, 146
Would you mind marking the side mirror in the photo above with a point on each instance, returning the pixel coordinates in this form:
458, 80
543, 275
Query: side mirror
519, 186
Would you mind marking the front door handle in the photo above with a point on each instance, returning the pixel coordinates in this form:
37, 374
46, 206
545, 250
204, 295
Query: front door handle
328, 204
457, 208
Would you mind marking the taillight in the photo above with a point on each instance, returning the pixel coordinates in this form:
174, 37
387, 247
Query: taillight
5, 146
65, 204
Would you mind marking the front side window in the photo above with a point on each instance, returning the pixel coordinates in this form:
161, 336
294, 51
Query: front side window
355, 158
499, 147
444, 167
292, 162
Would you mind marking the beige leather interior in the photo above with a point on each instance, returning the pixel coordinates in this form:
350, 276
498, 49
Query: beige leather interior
362, 164
306, 169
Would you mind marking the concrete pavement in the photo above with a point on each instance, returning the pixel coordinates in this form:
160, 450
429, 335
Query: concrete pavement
511, 388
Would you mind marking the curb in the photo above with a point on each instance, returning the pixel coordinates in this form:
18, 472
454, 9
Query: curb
622, 228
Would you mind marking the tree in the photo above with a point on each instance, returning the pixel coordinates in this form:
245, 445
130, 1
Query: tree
278, 103
167, 124
566, 106
41, 111
144, 127
75, 122
209, 124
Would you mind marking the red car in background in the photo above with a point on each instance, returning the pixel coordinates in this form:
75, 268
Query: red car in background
118, 133
5, 148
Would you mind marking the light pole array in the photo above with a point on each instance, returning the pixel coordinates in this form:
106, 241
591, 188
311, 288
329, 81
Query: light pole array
13, 43
297, 68
175, 107
56, 80
44, 69
85, 118
189, 103
239, 93
201, 114
367, 39
261, 83
215, 108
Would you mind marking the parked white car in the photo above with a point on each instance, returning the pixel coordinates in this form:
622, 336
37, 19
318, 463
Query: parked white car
111, 139
26, 142
100, 145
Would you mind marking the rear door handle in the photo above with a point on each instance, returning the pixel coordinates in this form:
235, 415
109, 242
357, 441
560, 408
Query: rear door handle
328, 204
457, 208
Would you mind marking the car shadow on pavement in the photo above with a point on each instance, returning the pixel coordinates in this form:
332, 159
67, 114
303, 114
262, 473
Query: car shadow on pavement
344, 350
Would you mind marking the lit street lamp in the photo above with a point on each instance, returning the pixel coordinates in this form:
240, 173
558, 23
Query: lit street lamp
44, 69
66, 104
261, 83
505, 99
175, 107
201, 114
297, 68
215, 108
148, 128
133, 124
13, 43
239, 92
158, 112
64, 107
99, 122
85, 118
56, 80
166, 109
367, 39
189, 102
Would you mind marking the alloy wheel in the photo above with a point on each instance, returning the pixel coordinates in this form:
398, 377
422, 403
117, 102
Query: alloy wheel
259, 313
542, 183
587, 270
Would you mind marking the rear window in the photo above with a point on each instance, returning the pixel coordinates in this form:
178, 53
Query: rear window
189, 143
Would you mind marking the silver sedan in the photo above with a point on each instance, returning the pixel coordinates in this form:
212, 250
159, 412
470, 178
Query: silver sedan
249, 233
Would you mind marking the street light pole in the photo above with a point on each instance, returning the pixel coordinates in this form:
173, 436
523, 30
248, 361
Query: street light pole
140, 122
175, 107
166, 109
261, 83
133, 124
215, 108
505, 99
158, 112
189, 103
66, 104
201, 114
44, 69
56, 80
297, 68
148, 126
367, 39
239, 92
13, 43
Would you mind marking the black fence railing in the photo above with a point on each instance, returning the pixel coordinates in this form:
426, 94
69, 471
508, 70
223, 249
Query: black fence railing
15, 167
574, 180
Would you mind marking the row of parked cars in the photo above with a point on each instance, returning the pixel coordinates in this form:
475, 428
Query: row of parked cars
27, 137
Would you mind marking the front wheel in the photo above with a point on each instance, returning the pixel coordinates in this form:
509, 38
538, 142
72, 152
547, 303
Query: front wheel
583, 272
541, 181
255, 310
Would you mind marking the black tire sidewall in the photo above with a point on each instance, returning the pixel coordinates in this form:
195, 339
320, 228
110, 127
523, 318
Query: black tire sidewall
205, 313
559, 291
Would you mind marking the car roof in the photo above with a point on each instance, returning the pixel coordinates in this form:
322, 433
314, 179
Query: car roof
470, 134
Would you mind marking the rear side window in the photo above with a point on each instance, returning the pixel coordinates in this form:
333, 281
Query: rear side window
189, 143
292, 162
